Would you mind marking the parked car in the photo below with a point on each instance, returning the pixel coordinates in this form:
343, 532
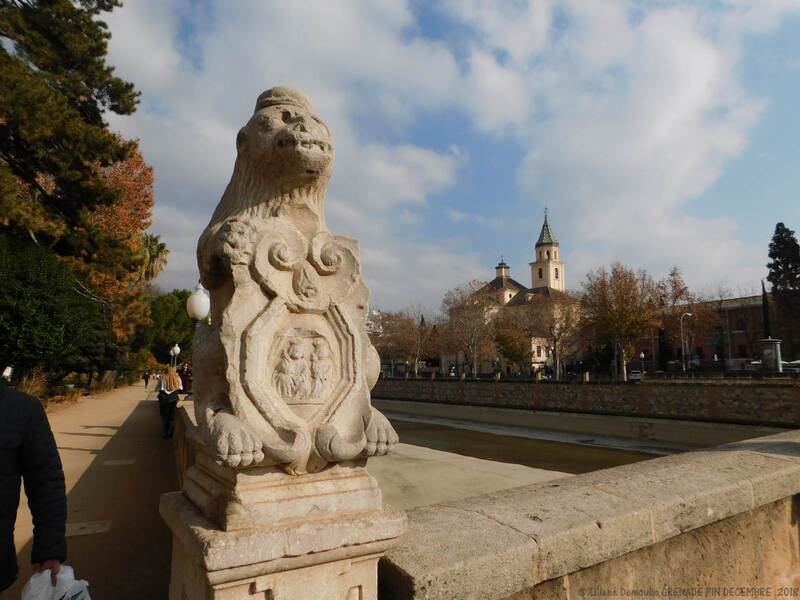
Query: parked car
635, 375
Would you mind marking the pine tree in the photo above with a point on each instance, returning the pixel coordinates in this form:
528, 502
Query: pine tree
784, 275
54, 88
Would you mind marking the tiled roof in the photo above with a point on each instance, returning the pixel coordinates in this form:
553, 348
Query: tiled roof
546, 237
498, 283
548, 293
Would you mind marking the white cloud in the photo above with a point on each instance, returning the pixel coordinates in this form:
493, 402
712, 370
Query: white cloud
459, 216
626, 113
520, 29
641, 114
193, 106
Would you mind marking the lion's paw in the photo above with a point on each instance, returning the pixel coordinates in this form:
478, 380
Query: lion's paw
235, 443
381, 436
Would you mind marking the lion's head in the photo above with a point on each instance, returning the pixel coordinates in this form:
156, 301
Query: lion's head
286, 139
283, 164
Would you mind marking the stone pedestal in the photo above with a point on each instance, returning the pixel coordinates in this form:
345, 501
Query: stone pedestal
771, 361
252, 497
332, 558
260, 533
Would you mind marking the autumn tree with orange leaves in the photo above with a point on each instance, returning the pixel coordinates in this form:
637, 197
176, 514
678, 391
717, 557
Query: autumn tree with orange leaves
113, 256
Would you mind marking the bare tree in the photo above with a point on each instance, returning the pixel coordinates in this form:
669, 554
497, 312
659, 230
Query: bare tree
676, 299
404, 336
512, 335
469, 328
561, 322
619, 307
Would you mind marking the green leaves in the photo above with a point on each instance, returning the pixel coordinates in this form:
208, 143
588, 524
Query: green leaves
170, 325
784, 275
54, 88
44, 318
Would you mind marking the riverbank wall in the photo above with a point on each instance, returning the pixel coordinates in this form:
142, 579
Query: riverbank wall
768, 404
656, 436
714, 523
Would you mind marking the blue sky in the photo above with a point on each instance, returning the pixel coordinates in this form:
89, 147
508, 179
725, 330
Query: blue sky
656, 133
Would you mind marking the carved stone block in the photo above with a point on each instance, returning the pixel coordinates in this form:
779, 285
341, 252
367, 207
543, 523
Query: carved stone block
278, 503
284, 370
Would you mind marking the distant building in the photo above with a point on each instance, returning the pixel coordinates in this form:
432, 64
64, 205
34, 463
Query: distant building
502, 288
733, 344
548, 283
742, 327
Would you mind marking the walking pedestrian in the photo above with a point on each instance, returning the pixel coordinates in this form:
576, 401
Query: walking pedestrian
186, 378
28, 452
146, 378
168, 400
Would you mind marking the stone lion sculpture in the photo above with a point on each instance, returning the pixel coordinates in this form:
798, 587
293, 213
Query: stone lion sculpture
288, 307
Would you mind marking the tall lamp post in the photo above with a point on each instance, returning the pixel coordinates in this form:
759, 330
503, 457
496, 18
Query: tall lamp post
641, 357
174, 351
683, 344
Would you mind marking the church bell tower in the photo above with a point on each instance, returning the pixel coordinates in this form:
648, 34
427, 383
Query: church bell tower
547, 270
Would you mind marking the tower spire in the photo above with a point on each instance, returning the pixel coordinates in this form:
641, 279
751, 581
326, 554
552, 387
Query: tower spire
547, 270
546, 236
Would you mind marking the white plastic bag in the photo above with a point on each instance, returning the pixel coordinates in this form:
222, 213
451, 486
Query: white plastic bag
40, 587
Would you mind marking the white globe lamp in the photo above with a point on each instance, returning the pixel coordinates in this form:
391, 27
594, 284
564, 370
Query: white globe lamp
198, 304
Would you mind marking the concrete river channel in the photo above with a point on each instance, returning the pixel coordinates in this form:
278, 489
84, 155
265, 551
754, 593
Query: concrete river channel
540, 454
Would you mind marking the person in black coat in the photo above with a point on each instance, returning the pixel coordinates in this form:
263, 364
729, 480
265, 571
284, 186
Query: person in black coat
28, 452
168, 396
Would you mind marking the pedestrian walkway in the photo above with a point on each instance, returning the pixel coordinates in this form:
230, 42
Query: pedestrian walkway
116, 466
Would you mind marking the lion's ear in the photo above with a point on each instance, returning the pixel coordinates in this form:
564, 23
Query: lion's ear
241, 138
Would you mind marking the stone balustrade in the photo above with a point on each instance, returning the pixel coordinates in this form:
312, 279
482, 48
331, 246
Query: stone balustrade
703, 521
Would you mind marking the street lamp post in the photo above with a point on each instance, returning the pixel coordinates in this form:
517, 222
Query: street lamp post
641, 357
174, 351
683, 344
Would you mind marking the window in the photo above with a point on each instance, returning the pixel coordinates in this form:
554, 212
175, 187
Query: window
555, 254
556, 272
741, 325
540, 255
540, 273
548, 255
539, 351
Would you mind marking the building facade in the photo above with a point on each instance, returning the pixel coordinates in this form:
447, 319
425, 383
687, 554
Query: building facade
548, 287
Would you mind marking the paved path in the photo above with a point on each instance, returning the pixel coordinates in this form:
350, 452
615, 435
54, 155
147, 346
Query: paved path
116, 466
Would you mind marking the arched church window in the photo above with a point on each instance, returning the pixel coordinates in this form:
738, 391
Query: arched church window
556, 272
548, 255
540, 273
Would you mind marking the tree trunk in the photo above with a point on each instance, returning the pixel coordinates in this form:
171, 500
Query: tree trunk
624, 366
556, 364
